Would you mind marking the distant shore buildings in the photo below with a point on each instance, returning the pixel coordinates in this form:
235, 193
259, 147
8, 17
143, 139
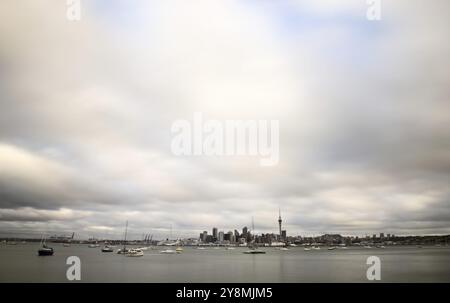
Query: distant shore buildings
237, 238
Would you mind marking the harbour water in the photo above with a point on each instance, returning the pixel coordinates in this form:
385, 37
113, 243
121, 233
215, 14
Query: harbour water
20, 263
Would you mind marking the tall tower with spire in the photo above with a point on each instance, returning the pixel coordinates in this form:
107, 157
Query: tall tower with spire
279, 222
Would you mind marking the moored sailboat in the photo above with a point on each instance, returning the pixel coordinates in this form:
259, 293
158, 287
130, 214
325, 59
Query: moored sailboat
124, 250
134, 252
45, 250
253, 247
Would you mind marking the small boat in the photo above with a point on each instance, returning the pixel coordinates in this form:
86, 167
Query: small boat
332, 248
306, 249
66, 244
179, 250
122, 251
201, 248
106, 248
284, 248
229, 248
316, 247
254, 251
168, 251
253, 246
134, 253
367, 246
93, 245
45, 250
143, 248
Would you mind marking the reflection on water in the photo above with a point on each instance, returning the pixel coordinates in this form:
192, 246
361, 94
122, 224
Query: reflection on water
20, 263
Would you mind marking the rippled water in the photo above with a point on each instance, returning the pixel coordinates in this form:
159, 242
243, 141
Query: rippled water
20, 263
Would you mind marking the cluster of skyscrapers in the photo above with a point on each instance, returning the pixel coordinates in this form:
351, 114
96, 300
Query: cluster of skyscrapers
230, 237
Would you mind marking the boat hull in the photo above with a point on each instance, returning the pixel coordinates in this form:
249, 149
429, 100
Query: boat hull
254, 252
45, 252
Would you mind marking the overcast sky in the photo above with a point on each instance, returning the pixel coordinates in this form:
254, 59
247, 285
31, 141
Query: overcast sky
86, 110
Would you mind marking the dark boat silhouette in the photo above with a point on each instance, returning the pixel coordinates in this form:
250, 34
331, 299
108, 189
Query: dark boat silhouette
45, 250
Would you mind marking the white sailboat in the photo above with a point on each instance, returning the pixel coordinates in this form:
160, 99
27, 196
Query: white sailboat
134, 252
124, 250
168, 251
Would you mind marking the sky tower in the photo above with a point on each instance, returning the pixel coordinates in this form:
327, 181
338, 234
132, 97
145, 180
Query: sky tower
279, 222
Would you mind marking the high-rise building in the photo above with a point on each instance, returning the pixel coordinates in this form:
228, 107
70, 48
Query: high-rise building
283, 235
221, 236
381, 235
244, 232
228, 236
214, 233
205, 235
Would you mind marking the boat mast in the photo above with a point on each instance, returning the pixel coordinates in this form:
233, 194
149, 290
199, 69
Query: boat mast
125, 241
253, 234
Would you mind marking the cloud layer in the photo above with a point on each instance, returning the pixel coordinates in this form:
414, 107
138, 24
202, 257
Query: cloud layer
86, 110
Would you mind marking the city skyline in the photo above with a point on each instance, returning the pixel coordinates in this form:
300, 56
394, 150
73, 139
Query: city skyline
216, 235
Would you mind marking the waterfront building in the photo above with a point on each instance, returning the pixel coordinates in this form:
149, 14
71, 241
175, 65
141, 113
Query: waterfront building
214, 233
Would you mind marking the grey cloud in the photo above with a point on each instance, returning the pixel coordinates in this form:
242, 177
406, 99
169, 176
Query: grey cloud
363, 107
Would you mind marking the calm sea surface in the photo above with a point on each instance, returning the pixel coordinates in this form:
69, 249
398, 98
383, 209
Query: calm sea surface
20, 263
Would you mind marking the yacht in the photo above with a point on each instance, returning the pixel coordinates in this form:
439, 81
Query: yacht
179, 250
134, 252
168, 251
45, 250
254, 251
106, 248
124, 250
253, 248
